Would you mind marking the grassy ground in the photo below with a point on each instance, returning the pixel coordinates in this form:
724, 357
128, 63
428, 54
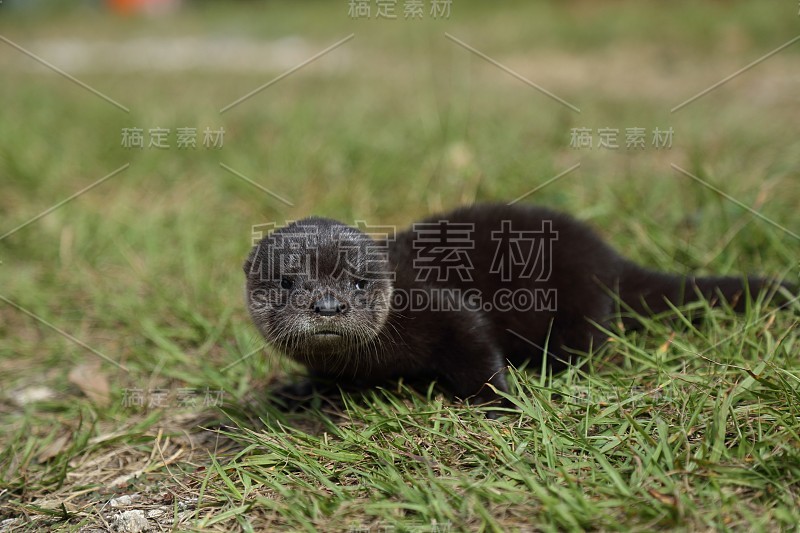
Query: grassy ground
694, 428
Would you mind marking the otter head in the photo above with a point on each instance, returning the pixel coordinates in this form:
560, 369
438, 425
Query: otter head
318, 288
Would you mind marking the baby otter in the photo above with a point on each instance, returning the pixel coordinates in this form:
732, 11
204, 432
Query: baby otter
456, 297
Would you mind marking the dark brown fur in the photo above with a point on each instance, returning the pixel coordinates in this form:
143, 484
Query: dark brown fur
367, 339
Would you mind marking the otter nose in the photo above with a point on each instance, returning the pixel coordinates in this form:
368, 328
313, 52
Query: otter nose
329, 306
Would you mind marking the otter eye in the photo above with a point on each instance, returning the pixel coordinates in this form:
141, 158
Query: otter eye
286, 283
361, 284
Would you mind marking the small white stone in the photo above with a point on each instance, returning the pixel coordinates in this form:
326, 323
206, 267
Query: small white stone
131, 522
32, 394
188, 503
123, 501
6, 524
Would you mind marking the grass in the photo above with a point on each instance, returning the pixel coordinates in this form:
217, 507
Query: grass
687, 427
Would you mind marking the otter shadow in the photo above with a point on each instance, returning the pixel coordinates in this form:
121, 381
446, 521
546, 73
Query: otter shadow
312, 406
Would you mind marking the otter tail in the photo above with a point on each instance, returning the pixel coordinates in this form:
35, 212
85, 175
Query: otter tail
647, 292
